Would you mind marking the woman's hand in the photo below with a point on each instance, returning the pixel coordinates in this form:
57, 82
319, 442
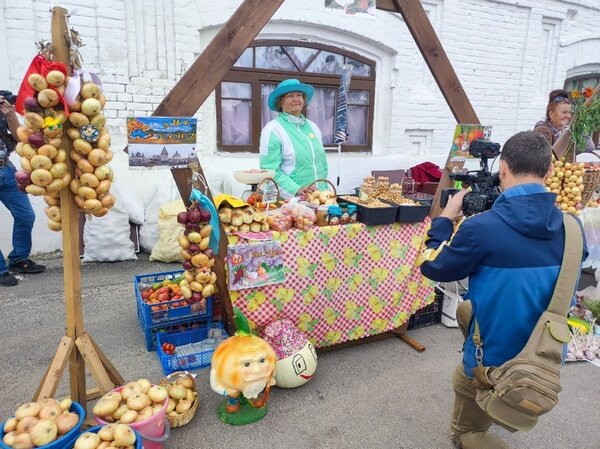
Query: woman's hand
304, 191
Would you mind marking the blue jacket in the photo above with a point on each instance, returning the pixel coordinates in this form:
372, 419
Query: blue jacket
512, 255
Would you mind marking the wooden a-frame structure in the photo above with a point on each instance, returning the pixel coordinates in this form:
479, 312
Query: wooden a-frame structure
77, 348
247, 21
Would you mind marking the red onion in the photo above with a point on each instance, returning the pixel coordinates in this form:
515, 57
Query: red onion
197, 296
187, 265
194, 216
209, 253
31, 105
182, 217
36, 140
23, 177
192, 227
204, 216
193, 249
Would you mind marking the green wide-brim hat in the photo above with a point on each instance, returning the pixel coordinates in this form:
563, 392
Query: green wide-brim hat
287, 86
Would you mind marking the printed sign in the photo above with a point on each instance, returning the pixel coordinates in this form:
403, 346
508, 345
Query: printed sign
463, 136
255, 265
161, 141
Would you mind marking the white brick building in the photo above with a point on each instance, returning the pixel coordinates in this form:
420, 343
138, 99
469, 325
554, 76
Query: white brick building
508, 55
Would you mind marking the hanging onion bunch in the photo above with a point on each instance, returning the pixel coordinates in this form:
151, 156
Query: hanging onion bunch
91, 152
43, 168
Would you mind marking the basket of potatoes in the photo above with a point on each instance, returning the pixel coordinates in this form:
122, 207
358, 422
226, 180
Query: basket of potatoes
183, 397
318, 197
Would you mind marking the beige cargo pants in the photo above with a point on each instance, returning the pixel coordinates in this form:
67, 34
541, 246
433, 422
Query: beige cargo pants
469, 424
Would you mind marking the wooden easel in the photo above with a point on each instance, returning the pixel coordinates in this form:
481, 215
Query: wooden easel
76, 347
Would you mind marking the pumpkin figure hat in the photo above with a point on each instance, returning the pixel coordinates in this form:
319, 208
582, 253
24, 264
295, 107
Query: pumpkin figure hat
241, 323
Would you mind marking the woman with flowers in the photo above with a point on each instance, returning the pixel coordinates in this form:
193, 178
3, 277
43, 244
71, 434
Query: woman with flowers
558, 115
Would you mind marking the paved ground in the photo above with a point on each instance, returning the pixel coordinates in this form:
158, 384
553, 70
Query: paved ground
376, 395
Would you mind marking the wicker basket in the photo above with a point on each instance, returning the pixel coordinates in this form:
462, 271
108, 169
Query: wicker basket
591, 181
327, 181
179, 420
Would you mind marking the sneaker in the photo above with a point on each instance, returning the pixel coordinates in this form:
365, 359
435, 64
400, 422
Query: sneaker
26, 266
8, 280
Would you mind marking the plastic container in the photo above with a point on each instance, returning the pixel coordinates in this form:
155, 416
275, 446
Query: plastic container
150, 333
322, 216
67, 440
197, 358
428, 315
352, 213
138, 438
154, 430
335, 215
166, 312
373, 216
412, 214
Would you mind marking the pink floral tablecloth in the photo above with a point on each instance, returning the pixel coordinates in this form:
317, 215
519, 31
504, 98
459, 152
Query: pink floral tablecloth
343, 282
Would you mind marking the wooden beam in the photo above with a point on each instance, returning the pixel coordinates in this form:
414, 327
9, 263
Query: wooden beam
112, 372
214, 62
51, 380
431, 48
101, 377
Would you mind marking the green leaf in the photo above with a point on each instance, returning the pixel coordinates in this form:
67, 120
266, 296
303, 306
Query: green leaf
241, 322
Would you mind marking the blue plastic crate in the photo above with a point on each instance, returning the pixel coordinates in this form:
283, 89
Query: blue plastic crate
192, 361
150, 333
151, 319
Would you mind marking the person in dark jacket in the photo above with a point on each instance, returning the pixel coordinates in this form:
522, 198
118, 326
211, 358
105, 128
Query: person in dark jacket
14, 200
512, 255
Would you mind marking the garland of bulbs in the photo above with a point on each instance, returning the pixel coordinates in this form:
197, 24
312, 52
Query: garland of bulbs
44, 171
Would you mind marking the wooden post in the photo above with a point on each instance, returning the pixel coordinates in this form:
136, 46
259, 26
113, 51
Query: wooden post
431, 48
76, 346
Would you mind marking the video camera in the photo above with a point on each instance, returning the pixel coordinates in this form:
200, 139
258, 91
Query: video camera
8, 96
485, 187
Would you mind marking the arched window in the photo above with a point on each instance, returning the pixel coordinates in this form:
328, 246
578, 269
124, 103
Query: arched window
242, 95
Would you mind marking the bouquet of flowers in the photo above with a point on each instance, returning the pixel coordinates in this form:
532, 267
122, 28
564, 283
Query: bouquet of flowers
586, 116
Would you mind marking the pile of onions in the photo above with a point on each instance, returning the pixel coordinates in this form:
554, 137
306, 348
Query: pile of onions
43, 168
39, 423
199, 280
136, 401
108, 436
91, 152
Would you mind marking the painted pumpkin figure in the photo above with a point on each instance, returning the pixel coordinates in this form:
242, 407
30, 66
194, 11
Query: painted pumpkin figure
297, 357
243, 369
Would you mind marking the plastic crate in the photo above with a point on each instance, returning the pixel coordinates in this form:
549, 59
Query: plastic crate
412, 214
428, 315
193, 360
150, 334
373, 216
163, 313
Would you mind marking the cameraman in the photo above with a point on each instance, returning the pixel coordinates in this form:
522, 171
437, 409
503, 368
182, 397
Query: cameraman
512, 255
16, 202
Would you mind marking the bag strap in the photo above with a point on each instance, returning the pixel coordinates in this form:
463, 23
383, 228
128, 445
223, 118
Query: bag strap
567, 276
569, 269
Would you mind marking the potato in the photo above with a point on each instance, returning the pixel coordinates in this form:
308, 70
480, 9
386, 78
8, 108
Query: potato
90, 90
34, 121
98, 121
48, 98
81, 146
37, 81
55, 78
91, 107
78, 119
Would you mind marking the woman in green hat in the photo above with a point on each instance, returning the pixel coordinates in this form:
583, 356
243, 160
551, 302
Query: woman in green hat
291, 145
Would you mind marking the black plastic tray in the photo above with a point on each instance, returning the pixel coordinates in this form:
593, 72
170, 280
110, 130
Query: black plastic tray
412, 214
373, 216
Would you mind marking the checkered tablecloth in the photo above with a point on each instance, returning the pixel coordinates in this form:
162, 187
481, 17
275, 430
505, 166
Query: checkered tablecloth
343, 282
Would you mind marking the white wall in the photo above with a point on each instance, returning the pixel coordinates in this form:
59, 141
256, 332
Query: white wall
508, 55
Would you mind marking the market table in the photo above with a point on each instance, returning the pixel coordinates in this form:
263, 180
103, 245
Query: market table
343, 282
